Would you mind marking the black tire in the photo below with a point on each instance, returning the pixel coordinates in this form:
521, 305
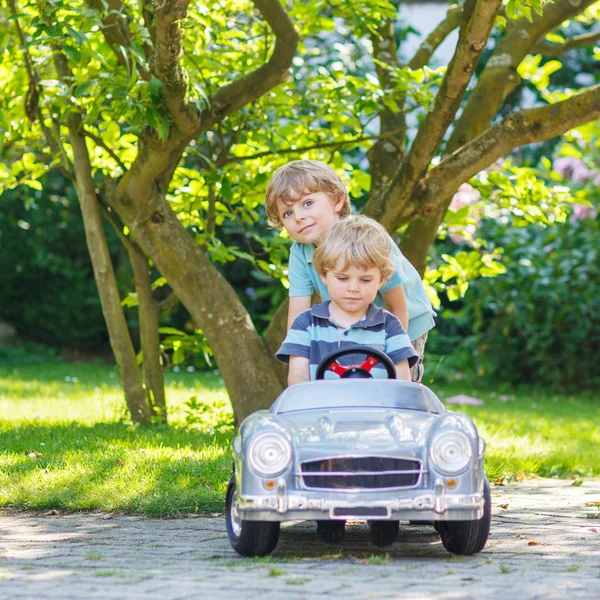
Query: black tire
384, 533
468, 537
331, 532
430, 523
249, 538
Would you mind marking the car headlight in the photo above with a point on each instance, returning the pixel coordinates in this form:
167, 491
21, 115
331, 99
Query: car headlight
450, 452
269, 454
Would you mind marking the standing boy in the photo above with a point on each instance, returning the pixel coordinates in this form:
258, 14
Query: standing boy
306, 197
353, 261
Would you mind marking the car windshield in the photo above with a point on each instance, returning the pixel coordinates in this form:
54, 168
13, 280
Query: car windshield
355, 393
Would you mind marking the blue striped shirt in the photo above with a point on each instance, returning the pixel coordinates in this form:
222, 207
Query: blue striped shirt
313, 335
304, 279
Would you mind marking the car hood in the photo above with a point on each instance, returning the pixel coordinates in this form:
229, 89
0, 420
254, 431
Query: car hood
357, 429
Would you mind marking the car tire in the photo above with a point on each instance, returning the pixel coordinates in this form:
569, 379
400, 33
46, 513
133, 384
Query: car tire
331, 532
384, 533
248, 538
468, 537
430, 523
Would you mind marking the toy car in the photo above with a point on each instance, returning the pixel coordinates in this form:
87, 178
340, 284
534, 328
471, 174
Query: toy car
379, 450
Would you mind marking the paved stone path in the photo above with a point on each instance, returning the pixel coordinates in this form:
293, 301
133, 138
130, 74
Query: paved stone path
545, 544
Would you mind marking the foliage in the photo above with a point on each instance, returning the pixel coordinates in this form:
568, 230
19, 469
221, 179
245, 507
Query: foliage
538, 322
68, 81
49, 294
66, 446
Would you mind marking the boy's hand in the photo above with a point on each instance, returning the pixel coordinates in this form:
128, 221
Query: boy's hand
297, 305
402, 371
395, 302
300, 370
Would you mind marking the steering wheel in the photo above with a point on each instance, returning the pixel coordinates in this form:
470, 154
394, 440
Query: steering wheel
372, 357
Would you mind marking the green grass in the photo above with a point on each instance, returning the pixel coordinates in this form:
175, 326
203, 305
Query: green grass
534, 432
66, 443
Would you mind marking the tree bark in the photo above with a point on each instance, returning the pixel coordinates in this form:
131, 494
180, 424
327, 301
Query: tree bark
241, 354
148, 311
496, 81
120, 340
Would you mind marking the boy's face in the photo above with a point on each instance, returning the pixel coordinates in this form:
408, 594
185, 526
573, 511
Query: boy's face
352, 288
309, 217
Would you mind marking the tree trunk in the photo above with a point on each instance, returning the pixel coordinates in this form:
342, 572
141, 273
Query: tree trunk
274, 337
496, 81
245, 364
120, 340
148, 311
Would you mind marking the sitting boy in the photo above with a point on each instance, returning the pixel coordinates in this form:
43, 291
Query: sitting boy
306, 197
353, 260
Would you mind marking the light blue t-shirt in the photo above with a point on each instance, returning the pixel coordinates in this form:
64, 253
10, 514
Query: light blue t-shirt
304, 280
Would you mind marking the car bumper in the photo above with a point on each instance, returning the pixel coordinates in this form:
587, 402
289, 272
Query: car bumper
421, 505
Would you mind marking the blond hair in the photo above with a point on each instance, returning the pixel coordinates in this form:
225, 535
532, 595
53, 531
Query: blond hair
300, 177
361, 242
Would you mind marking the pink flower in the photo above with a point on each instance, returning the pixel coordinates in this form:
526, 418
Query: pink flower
463, 234
574, 169
581, 211
466, 196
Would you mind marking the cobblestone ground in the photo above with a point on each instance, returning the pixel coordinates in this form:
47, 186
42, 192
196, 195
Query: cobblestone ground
545, 543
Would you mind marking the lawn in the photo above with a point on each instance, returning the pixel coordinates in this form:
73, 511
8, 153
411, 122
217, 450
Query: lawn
66, 443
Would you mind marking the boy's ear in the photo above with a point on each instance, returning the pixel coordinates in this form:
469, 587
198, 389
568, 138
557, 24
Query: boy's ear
339, 203
323, 278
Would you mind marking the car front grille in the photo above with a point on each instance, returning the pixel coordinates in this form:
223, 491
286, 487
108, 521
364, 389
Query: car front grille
366, 472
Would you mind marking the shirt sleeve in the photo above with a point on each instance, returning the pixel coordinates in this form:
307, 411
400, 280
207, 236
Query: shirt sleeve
398, 276
297, 340
300, 282
397, 342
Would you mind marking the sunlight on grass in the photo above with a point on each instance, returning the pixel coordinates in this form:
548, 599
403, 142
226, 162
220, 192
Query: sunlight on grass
67, 442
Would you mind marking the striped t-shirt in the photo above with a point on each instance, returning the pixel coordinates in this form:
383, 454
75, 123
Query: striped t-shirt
313, 335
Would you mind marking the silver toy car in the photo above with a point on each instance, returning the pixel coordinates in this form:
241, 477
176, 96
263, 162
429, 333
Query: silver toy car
378, 450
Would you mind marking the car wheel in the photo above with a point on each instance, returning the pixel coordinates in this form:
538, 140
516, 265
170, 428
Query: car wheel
468, 537
248, 538
384, 533
331, 532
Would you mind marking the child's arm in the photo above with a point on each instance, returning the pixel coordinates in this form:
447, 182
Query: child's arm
297, 304
299, 370
402, 370
398, 347
395, 302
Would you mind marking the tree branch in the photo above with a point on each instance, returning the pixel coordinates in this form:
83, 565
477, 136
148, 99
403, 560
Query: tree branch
116, 32
318, 146
436, 37
496, 81
516, 129
166, 64
100, 142
500, 76
385, 155
32, 105
472, 40
558, 50
253, 85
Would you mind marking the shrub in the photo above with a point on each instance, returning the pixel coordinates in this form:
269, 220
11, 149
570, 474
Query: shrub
540, 321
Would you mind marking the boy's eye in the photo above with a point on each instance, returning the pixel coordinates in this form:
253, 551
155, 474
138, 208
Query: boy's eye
366, 280
341, 278
308, 203
286, 214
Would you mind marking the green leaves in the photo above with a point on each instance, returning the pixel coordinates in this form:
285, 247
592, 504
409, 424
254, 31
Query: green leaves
453, 276
516, 8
